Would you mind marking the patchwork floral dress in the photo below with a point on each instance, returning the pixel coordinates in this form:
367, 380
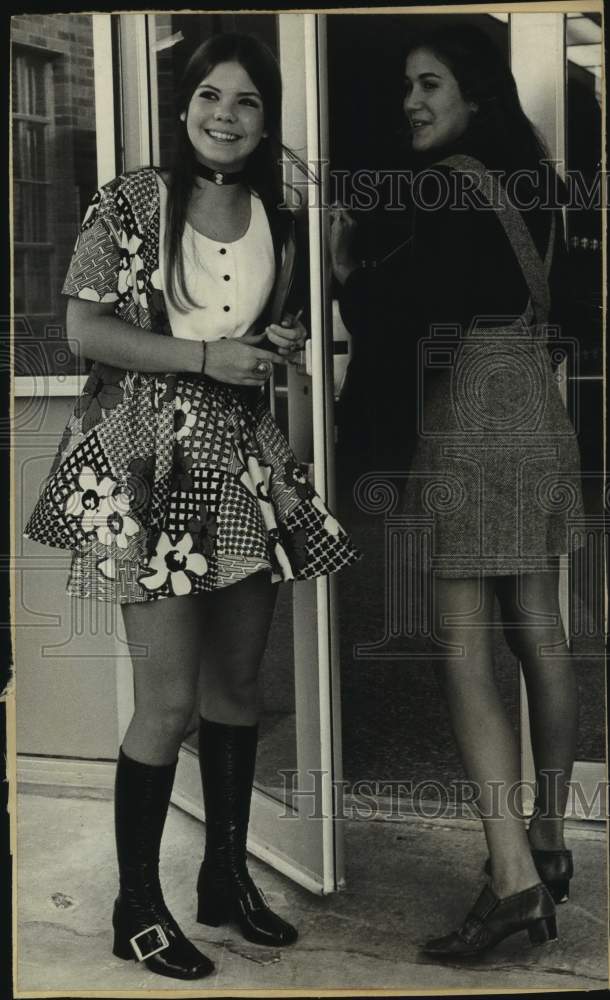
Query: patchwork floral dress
169, 484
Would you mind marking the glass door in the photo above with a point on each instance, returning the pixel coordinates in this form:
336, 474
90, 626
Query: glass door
562, 95
397, 736
396, 727
292, 824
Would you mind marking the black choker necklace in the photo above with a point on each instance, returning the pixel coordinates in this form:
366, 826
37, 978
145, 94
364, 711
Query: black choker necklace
217, 176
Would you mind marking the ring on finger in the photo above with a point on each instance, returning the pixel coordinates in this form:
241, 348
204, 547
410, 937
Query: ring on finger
262, 368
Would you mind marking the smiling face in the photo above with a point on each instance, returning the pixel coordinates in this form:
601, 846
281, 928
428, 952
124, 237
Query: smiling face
433, 104
225, 118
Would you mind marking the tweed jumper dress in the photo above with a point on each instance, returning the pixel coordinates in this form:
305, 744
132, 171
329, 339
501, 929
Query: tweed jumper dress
170, 484
495, 477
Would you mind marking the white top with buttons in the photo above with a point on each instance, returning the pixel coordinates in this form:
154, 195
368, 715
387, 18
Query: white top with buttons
230, 281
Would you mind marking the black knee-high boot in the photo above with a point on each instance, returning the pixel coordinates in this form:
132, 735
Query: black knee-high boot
144, 929
225, 890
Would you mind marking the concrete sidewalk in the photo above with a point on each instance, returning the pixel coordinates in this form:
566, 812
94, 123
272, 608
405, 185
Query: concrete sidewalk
406, 881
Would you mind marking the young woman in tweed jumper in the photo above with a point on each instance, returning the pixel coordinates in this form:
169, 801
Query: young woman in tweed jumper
495, 476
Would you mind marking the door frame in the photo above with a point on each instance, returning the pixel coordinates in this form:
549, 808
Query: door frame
542, 91
307, 848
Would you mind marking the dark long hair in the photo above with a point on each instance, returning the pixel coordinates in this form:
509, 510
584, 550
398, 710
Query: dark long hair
263, 170
500, 134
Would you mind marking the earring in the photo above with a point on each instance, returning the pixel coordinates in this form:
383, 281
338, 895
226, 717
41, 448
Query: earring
183, 116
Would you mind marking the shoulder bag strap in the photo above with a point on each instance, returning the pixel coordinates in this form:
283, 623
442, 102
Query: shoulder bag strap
535, 270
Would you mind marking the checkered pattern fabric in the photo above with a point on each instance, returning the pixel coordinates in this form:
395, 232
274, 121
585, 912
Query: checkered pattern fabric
208, 486
321, 548
178, 484
209, 440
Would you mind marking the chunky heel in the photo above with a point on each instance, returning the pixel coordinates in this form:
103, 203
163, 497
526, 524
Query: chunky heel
492, 919
211, 913
121, 947
226, 893
560, 890
543, 930
144, 929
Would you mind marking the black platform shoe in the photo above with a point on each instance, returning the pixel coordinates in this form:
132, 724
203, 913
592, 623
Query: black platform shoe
492, 919
555, 869
240, 901
225, 890
144, 929
148, 933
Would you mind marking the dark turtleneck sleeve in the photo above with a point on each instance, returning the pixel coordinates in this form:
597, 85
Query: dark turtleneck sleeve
458, 266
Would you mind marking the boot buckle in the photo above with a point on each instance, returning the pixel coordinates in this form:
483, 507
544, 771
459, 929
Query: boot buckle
155, 940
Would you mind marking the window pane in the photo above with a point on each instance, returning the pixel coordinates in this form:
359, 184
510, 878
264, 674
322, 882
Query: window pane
19, 282
29, 96
31, 213
39, 281
29, 154
55, 172
18, 219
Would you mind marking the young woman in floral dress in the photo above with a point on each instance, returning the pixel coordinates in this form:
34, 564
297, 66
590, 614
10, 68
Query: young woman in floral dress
174, 487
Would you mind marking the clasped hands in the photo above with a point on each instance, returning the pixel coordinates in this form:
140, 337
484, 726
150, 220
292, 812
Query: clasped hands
241, 361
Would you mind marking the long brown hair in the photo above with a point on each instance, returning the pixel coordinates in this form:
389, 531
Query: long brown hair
500, 133
263, 170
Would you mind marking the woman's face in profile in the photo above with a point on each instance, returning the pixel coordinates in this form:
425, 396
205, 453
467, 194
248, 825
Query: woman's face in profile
433, 104
225, 117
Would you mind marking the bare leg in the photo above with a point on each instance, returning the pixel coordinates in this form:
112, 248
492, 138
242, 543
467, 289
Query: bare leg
165, 685
230, 628
552, 695
165, 678
484, 735
234, 632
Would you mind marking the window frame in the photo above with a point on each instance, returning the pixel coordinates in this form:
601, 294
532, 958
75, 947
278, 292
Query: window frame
45, 59
41, 385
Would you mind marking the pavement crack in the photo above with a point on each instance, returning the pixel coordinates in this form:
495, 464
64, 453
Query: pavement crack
587, 913
345, 951
53, 925
513, 967
265, 957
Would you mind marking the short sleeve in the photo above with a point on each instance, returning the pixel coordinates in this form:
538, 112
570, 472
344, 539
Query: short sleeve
94, 269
